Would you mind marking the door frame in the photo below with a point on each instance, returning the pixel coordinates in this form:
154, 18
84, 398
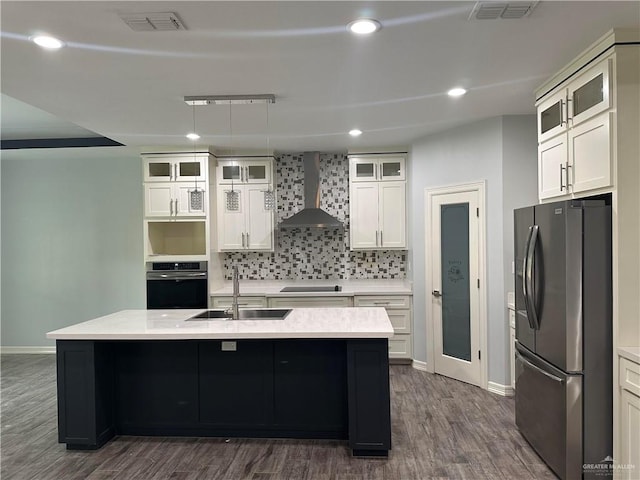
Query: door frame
429, 194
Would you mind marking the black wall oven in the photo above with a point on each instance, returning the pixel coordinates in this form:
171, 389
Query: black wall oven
177, 285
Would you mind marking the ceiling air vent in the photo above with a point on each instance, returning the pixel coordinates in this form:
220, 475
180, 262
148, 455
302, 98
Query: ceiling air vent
494, 10
153, 22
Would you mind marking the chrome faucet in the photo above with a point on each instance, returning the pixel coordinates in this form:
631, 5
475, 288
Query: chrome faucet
236, 293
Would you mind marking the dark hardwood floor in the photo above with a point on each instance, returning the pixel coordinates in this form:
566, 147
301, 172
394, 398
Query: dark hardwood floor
441, 429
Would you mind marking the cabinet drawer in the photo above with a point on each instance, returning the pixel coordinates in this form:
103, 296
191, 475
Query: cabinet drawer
225, 302
630, 376
304, 302
387, 301
400, 346
401, 320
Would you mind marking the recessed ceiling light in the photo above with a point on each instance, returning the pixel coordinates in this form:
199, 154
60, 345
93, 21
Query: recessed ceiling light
456, 92
364, 26
193, 136
45, 41
355, 132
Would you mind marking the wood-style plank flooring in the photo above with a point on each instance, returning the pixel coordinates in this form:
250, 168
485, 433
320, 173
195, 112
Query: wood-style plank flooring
442, 429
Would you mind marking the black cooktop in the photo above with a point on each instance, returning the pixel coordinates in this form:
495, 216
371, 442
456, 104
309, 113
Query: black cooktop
316, 288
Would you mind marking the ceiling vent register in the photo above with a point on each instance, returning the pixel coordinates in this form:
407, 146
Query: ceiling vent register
493, 10
153, 22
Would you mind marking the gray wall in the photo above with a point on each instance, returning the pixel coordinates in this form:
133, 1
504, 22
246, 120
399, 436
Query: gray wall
71, 239
466, 154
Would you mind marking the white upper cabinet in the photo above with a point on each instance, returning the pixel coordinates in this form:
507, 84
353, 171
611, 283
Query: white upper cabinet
179, 167
245, 204
575, 138
376, 168
590, 93
245, 170
377, 205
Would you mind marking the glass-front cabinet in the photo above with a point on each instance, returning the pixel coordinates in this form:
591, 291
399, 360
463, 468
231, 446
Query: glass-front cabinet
244, 170
178, 167
552, 116
376, 168
590, 93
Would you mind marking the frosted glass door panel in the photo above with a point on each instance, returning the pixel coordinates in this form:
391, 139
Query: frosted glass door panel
456, 318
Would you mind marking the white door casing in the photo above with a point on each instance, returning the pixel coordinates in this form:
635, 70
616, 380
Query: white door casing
473, 371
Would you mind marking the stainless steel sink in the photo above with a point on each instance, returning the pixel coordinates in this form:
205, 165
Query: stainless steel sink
244, 314
314, 288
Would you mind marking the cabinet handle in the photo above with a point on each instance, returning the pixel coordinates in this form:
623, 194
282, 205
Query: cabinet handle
247, 239
376, 238
567, 170
569, 119
381, 242
176, 200
243, 240
381, 303
171, 207
563, 112
562, 187
175, 171
375, 171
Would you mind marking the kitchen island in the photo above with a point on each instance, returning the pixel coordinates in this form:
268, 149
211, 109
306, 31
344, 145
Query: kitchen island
317, 373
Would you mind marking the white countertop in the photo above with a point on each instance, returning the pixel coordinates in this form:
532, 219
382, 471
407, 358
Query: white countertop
630, 353
360, 322
271, 288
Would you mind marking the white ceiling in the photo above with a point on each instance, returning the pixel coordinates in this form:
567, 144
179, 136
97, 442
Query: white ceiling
129, 86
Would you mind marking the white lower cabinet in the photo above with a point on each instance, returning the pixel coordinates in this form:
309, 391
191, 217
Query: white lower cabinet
307, 302
628, 457
243, 302
399, 310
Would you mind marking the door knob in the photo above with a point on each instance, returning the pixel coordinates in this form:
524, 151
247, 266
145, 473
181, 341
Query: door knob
436, 293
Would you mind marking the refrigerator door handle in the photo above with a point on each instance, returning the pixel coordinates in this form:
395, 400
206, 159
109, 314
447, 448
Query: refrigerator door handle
528, 275
530, 365
524, 278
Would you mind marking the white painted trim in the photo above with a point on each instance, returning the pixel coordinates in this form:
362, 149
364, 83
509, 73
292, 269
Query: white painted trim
422, 366
504, 390
28, 350
479, 187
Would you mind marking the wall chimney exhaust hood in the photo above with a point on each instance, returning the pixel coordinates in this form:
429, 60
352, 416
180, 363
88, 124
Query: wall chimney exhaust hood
311, 215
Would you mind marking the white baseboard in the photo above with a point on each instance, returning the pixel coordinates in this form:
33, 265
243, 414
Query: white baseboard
28, 350
499, 389
418, 365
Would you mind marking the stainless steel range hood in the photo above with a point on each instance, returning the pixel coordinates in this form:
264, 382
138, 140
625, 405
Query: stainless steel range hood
312, 215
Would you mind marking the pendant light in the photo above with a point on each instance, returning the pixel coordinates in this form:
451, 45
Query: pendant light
196, 197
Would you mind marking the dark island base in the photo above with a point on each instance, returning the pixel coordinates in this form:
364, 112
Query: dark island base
331, 389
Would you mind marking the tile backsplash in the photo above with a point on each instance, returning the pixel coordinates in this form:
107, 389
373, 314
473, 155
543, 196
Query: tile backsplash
315, 253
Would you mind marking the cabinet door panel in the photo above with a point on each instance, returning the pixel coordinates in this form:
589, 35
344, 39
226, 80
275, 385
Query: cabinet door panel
391, 169
259, 219
552, 159
552, 116
185, 206
158, 200
231, 215
590, 93
156, 384
364, 215
391, 213
236, 386
310, 388
590, 154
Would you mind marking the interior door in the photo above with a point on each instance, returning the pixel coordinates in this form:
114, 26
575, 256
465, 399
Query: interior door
455, 280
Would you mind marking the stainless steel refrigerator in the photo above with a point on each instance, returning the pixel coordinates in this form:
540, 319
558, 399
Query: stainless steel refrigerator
563, 398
